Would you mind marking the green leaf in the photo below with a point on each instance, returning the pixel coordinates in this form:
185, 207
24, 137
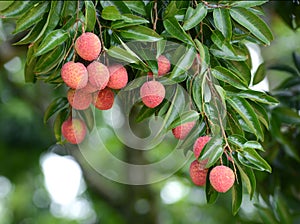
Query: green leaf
136, 6
212, 151
30, 64
241, 69
222, 21
185, 117
261, 113
266, 215
60, 118
56, 105
49, 61
248, 178
88, 117
285, 68
253, 23
204, 55
248, 4
184, 63
249, 157
210, 192
287, 115
52, 40
111, 13
246, 112
237, 140
257, 96
140, 33
32, 17
260, 74
237, 195
17, 8
197, 92
176, 31
90, 16
198, 15
120, 5
253, 145
229, 77
122, 54
69, 8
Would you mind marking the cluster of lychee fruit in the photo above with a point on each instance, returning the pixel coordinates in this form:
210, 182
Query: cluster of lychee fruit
91, 84
221, 177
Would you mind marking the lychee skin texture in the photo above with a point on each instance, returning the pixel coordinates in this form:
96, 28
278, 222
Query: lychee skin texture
104, 99
221, 178
88, 46
89, 88
152, 93
199, 145
98, 75
74, 130
163, 65
198, 173
181, 131
118, 76
79, 99
75, 75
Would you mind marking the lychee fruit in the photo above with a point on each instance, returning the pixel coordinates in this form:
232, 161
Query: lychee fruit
181, 131
79, 99
152, 93
104, 99
88, 46
221, 178
98, 75
198, 172
74, 130
75, 75
89, 88
199, 145
118, 76
163, 65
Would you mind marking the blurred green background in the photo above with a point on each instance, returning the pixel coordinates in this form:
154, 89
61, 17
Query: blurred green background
41, 183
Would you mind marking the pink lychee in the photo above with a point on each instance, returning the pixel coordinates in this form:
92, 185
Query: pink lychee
152, 93
118, 76
74, 130
98, 75
104, 99
221, 178
88, 46
199, 145
198, 172
79, 99
163, 65
75, 75
181, 131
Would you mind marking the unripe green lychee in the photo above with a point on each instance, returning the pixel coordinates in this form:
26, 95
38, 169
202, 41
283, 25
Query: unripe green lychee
181, 131
104, 99
88, 46
79, 99
75, 75
199, 145
221, 178
163, 65
74, 130
98, 75
152, 93
118, 76
198, 172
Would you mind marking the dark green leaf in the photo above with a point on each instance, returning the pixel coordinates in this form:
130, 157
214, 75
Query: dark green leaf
212, 151
30, 64
90, 16
281, 208
204, 56
197, 92
287, 115
229, 77
122, 54
52, 40
185, 117
32, 17
210, 192
260, 74
266, 215
136, 6
60, 118
241, 69
111, 13
198, 15
176, 31
284, 68
88, 117
296, 58
140, 33
253, 23
237, 140
222, 21
56, 105
253, 145
257, 97
120, 5
237, 195
69, 8
247, 4
246, 112
17, 8
248, 178
261, 113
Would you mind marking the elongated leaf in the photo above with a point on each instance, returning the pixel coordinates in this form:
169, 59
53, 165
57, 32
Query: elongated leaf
88, 117
210, 193
176, 31
60, 118
204, 55
229, 77
266, 215
111, 13
30, 64
253, 23
225, 54
90, 15
241, 69
259, 74
223, 22
253, 145
249, 157
237, 195
248, 178
136, 6
237, 140
197, 92
52, 40
17, 8
248, 4
261, 114
122, 54
140, 33
120, 5
69, 8
257, 97
198, 15
212, 151
56, 105
32, 17
185, 117
244, 109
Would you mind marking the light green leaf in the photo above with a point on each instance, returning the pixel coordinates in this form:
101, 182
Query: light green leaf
253, 145
222, 21
237, 140
198, 15
249, 157
121, 54
257, 97
248, 4
111, 13
90, 16
17, 8
212, 151
136, 6
253, 23
140, 33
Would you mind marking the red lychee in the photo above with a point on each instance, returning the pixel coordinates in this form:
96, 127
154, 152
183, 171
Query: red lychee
104, 99
88, 46
199, 145
98, 75
163, 65
152, 93
74, 130
181, 131
118, 76
198, 172
221, 178
79, 99
75, 75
